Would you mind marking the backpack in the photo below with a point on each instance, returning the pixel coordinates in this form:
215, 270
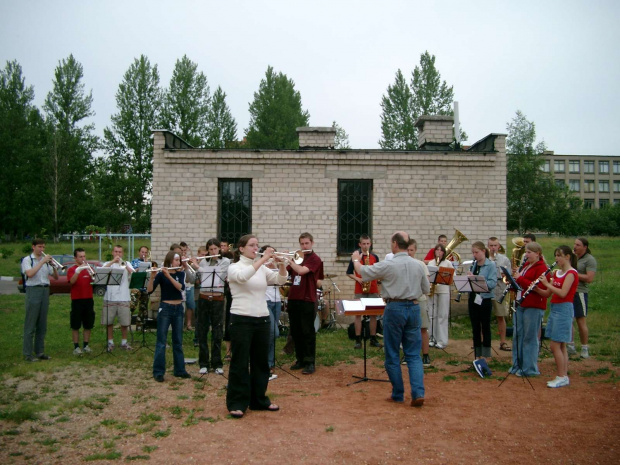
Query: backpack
24, 277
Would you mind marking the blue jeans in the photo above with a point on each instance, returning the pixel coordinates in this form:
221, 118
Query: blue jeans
169, 314
526, 322
275, 309
401, 324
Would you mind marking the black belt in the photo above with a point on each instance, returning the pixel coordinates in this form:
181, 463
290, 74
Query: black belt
413, 301
40, 285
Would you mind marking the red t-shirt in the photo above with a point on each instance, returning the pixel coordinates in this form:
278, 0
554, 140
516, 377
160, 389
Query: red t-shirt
304, 287
82, 289
430, 255
558, 281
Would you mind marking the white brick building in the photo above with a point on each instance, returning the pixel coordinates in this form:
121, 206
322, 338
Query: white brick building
333, 194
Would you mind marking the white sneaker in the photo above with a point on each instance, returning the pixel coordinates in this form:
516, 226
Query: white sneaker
219, 371
86, 350
77, 351
203, 371
273, 376
585, 353
439, 346
559, 381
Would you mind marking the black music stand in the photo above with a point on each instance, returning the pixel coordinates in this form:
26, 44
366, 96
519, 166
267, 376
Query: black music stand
515, 346
107, 277
365, 319
138, 281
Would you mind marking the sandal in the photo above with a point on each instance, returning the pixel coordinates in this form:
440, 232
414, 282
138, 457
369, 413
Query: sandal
504, 346
273, 408
236, 413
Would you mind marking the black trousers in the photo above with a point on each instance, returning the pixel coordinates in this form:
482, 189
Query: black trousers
301, 315
249, 338
210, 313
480, 316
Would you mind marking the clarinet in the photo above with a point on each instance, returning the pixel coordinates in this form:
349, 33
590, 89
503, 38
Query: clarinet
508, 287
471, 268
535, 283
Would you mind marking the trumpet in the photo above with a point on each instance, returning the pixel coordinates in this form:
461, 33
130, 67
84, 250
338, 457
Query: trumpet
153, 270
55, 263
296, 257
86, 266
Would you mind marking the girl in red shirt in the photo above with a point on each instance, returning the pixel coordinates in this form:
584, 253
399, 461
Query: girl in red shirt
563, 285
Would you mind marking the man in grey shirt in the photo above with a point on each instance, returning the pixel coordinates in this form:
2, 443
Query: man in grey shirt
403, 282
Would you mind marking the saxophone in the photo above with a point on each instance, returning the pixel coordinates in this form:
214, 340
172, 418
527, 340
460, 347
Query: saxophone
366, 284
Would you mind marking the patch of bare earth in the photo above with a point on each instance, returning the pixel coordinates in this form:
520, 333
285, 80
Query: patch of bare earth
465, 419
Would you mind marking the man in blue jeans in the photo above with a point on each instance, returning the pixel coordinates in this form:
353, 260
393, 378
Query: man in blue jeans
403, 282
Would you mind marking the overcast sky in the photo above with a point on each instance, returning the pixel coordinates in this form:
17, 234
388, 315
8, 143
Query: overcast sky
556, 61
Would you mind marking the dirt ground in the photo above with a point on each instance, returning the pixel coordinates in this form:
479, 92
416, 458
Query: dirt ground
465, 419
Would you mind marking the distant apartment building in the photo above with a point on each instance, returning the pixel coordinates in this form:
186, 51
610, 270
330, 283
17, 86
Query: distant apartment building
595, 179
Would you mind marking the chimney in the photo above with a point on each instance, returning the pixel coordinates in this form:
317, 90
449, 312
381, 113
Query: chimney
435, 130
316, 137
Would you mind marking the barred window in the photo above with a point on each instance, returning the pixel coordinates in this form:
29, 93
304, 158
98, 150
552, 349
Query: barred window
235, 209
354, 213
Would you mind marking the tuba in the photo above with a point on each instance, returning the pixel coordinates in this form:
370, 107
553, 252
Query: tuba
453, 244
366, 284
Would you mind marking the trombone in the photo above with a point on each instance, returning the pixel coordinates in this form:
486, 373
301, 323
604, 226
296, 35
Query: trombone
55, 263
297, 257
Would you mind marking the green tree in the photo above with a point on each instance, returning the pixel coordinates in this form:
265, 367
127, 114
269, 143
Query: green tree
342, 138
222, 126
125, 176
186, 103
22, 131
403, 105
275, 114
70, 146
534, 200
397, 118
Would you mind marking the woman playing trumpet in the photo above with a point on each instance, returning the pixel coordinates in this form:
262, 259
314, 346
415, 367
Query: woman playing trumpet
250, 327
170, 313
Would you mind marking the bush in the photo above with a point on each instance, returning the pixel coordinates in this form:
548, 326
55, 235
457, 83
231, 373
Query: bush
6, 252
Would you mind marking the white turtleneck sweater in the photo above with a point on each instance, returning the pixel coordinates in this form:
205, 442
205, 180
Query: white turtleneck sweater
248, 287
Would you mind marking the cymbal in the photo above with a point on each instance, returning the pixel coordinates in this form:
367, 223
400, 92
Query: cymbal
331, 275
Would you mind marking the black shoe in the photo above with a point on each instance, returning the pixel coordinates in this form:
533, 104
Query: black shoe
358, 345
309, 369
43, 357
297, 366
426, 361
185, 375
375, 343
159, 378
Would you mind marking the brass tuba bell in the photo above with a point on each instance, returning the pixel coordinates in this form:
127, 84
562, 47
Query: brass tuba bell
453, 244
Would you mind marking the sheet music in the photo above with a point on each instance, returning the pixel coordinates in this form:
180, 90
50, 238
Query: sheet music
353, 306
372, 302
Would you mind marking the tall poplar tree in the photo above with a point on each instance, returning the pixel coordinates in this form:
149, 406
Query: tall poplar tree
186, 103
222, 126
22, 132
275, 114
126, 173
70, 146
403, 104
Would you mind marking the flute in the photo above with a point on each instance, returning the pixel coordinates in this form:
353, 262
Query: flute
535, 283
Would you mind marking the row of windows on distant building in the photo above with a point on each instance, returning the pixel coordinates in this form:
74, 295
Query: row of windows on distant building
574, 166
588, 185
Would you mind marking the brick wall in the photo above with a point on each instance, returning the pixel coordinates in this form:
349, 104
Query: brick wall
423, 193
316, 137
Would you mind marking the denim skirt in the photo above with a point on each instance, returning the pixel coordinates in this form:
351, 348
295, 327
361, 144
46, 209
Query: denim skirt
560, 322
